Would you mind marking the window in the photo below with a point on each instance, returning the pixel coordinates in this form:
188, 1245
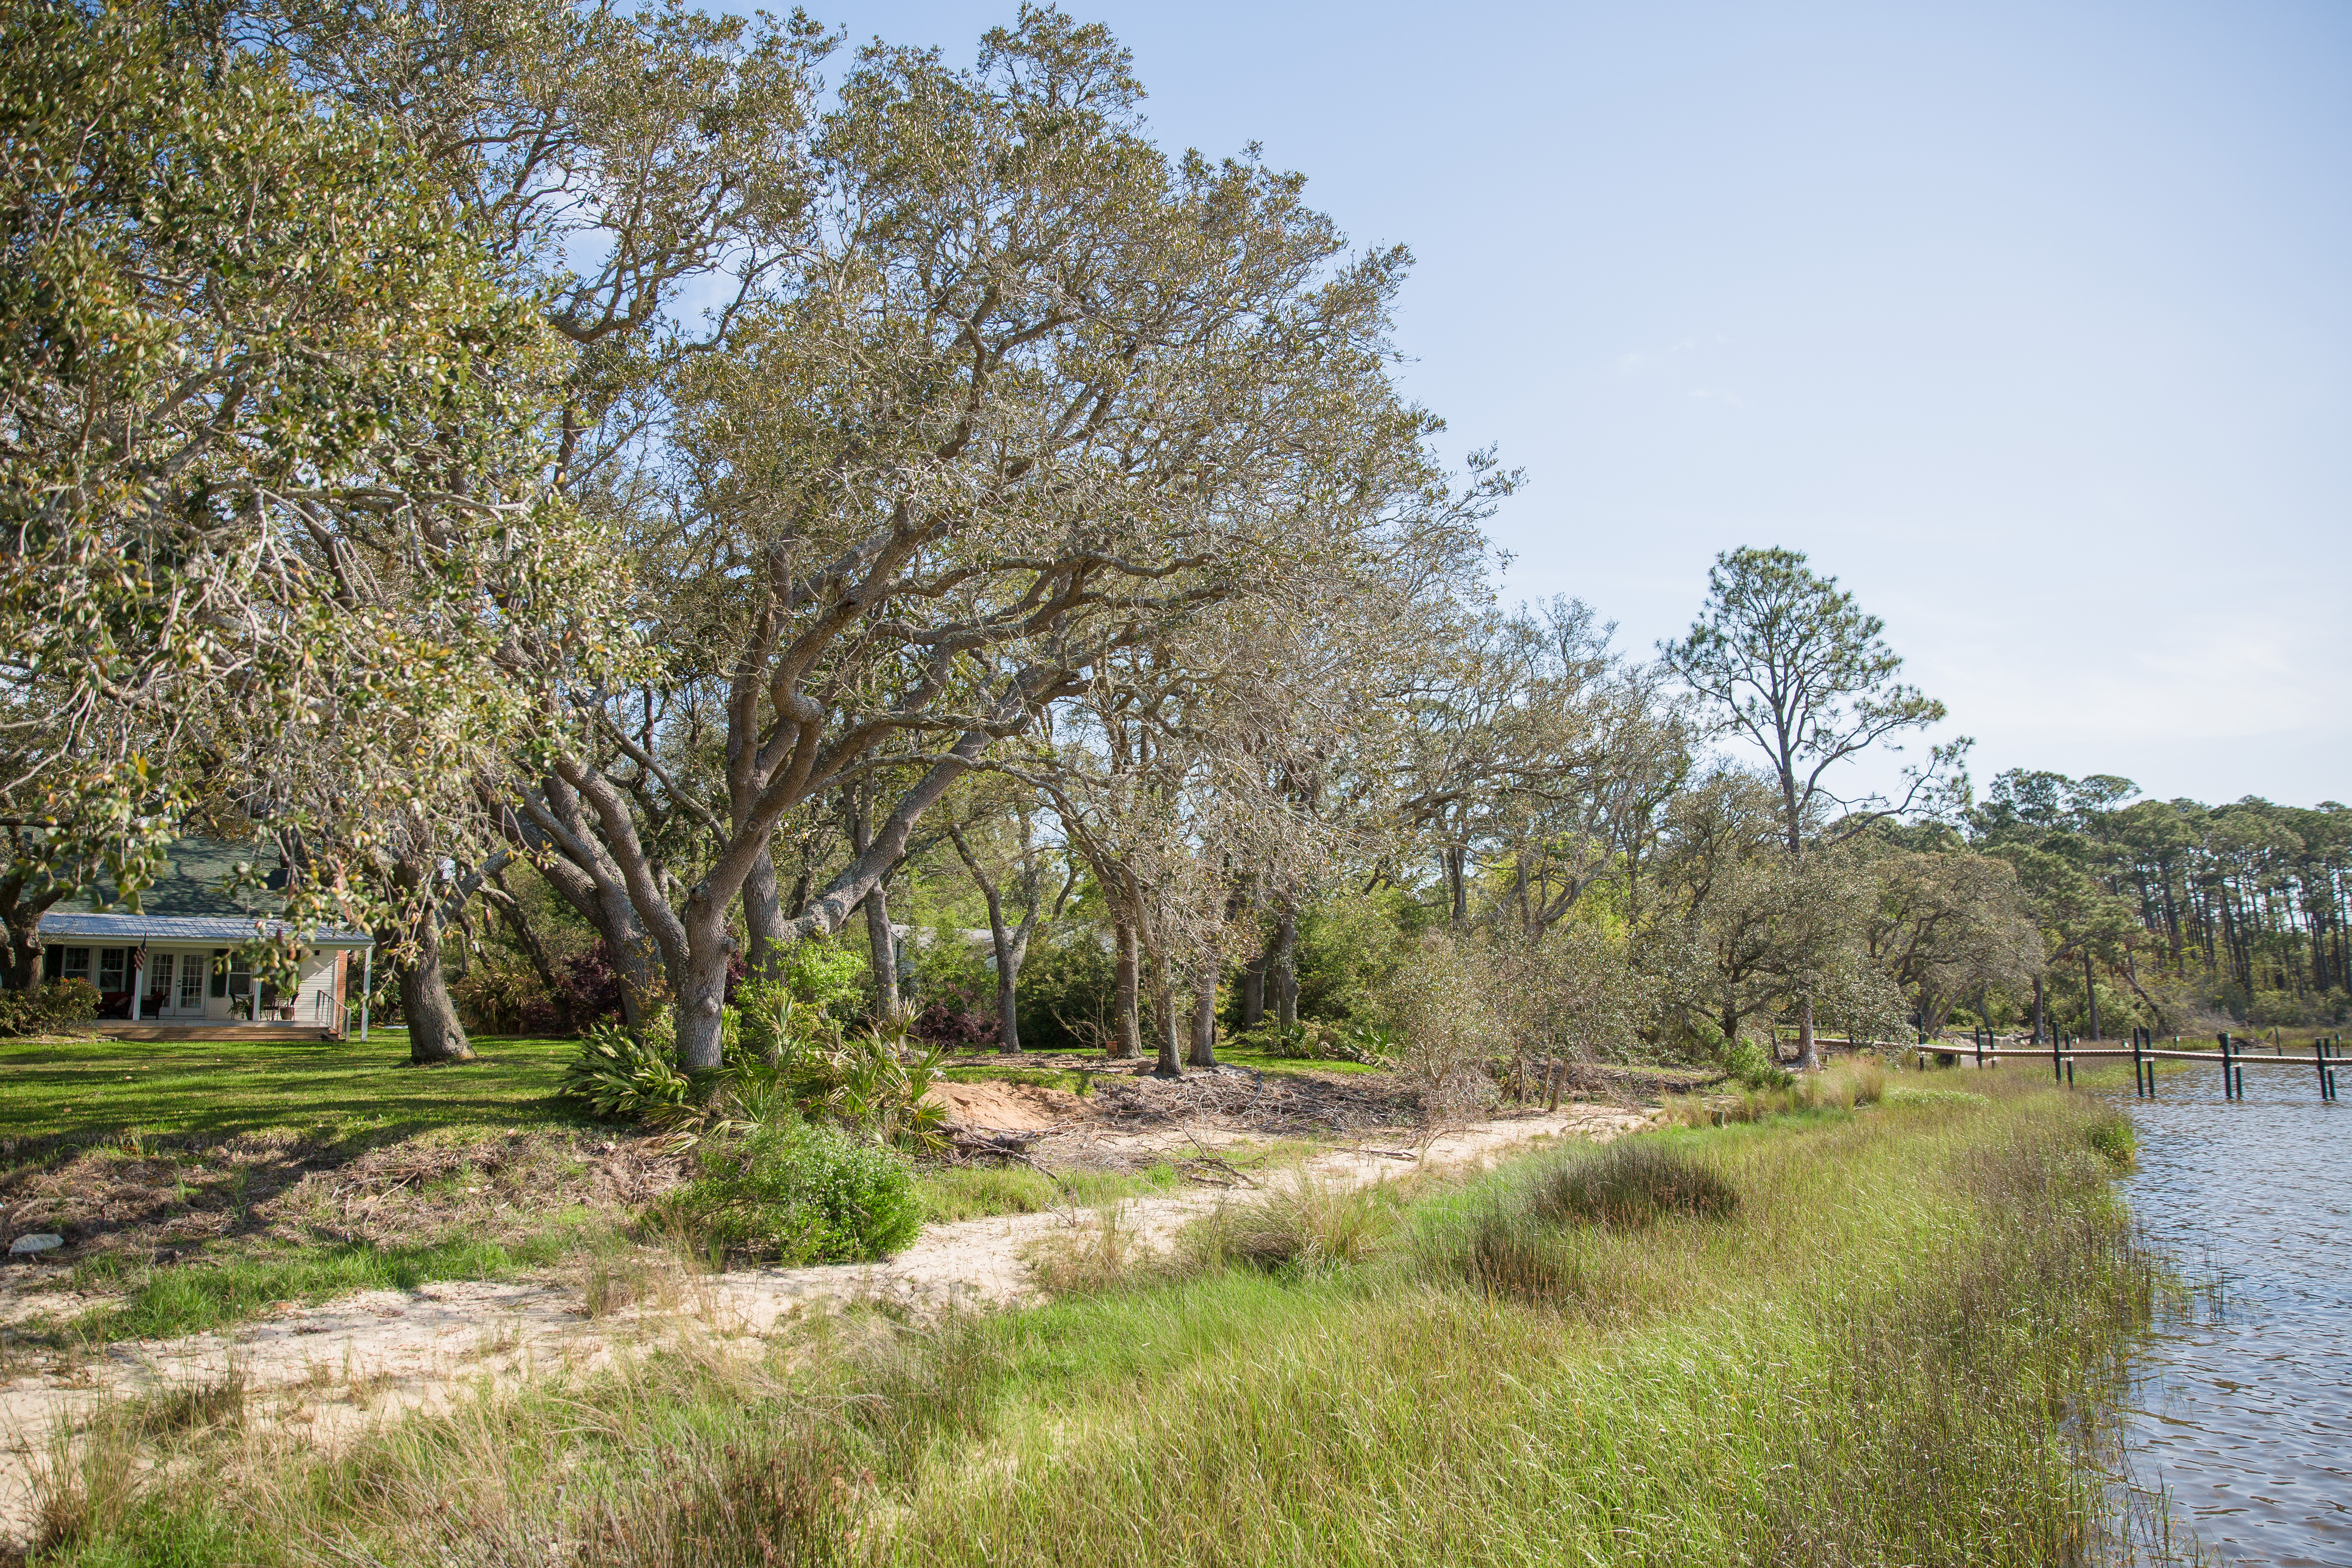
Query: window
110, 968
77, 963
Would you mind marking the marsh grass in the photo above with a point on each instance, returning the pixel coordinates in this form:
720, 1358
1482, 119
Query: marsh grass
952, 1193
1631, 1182
1303, 1223
1845, 1085
2111, 1136
1900, 1346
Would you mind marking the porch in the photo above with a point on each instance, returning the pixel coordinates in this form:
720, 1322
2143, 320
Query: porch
184, 978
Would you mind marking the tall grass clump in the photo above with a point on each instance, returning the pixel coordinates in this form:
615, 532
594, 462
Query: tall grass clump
1631, 1182
1897, 1340
794, 1192
1302, 1223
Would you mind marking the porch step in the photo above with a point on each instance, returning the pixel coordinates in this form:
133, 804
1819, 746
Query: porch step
119, 1030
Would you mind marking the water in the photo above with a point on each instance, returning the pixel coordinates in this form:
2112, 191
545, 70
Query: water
2245, 1418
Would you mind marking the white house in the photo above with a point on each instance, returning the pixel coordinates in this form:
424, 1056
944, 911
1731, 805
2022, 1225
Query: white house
173, 967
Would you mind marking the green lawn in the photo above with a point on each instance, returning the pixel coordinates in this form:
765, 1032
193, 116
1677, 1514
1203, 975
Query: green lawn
219, 1089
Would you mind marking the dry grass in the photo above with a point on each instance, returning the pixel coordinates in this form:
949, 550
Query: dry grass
1303, 1223
1098, 1250
1845, 1084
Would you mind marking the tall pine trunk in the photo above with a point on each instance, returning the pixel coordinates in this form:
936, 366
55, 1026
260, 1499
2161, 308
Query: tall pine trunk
2091, 994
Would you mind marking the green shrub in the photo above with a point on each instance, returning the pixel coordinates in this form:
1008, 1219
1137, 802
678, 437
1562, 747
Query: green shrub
1748, 1064
819, 971
1306, 1041
47, 1008
2115, 1138
1068, 995
1631, 1184
630, 1076
794, 1195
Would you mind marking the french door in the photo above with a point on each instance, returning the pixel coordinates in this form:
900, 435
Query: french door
178, 979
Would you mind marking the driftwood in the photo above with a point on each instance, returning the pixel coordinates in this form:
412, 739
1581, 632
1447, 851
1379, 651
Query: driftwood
967, 1144
1555, 1076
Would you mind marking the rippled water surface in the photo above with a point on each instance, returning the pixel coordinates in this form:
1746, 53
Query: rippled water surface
2246, 1421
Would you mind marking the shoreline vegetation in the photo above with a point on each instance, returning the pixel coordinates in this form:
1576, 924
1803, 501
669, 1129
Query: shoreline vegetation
1866, 1329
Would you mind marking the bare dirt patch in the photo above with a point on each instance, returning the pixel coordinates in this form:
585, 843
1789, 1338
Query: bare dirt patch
1290, 1104
163, 1200
1008, 1107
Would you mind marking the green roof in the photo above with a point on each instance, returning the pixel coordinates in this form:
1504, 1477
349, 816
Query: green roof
196, 880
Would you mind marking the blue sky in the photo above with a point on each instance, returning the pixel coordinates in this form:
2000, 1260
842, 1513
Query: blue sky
2032, 323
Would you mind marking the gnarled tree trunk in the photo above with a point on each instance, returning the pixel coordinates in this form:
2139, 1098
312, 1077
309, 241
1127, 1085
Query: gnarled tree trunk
1127, 1043
1168, 1029
1286, 966
764, 918
882, 949
435, 1035
1204, 1016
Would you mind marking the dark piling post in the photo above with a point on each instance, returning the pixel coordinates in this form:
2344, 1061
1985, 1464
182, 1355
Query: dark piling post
2057, 1057
2140, 1071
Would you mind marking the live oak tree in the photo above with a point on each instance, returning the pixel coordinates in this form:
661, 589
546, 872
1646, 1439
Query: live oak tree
1029, 392
253, 359
1741, 929
1788, 661
607, 164
1949, 923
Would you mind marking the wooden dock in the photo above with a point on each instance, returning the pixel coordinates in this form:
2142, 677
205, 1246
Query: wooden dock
2144, 1053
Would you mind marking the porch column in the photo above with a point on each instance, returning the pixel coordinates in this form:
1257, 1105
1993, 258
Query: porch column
367, 983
